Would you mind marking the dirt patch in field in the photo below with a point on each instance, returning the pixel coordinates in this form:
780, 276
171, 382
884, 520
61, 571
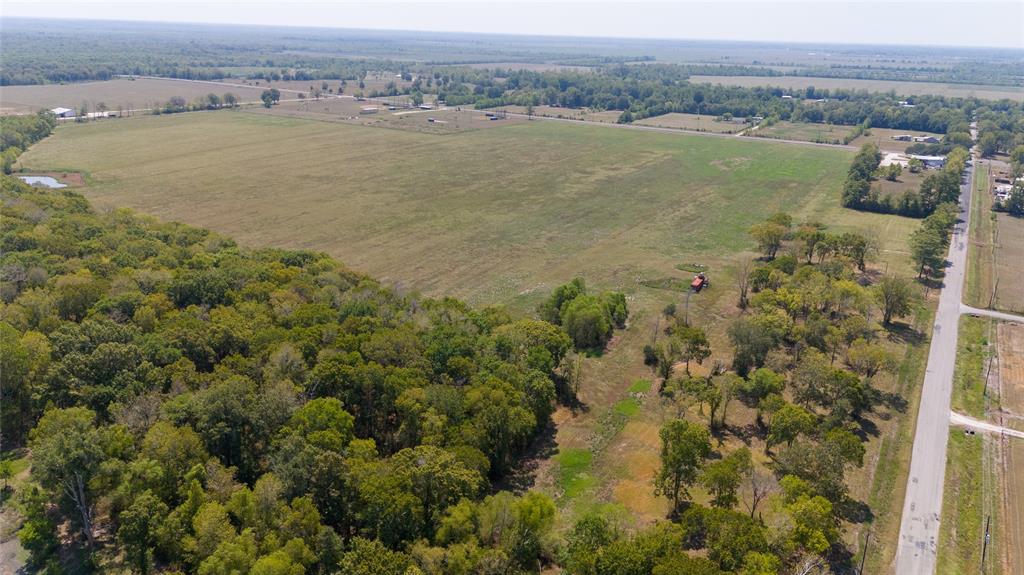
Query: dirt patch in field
1013, 506
730, 163
1008, 270
1011, 369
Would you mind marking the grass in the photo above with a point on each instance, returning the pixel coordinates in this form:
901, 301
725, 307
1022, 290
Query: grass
889, 481
573, 472
981, 249
820, 133
628, 407
882, 137
486, 215
963, 507
903, 88
971, 357
640, 386
693, 122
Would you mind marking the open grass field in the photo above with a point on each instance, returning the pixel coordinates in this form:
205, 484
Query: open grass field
901, 88
820, 133
906, 182
139, 93
489, 215
882, 137
693, 122
502, 216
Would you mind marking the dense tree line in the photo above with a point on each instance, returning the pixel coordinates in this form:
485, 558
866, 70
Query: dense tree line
19, 132
219, 410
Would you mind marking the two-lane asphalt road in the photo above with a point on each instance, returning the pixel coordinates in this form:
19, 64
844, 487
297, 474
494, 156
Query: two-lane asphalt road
922, 506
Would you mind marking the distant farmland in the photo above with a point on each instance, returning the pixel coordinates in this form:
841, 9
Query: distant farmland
900, 87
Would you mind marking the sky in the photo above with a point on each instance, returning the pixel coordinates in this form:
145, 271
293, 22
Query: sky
915, 22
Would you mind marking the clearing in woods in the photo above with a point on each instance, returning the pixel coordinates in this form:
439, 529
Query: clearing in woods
882, 137
501, 216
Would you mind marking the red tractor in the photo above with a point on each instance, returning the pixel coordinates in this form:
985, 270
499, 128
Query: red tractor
700, 281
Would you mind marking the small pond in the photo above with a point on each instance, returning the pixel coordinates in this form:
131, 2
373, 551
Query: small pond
44, 181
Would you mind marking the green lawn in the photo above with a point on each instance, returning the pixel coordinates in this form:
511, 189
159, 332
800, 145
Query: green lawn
489, 215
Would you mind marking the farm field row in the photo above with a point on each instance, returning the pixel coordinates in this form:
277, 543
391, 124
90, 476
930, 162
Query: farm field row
902, 88
695, 122
820, 133
125, 93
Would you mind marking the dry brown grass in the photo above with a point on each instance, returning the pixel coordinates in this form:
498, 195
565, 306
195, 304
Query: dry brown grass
1009, 264
1011, 389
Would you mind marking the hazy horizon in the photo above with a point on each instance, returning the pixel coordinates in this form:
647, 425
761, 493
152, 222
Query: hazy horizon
822, 23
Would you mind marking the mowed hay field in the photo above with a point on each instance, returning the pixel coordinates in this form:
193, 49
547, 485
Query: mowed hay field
902, 88
486, 215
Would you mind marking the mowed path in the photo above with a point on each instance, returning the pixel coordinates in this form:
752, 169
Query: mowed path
485, 215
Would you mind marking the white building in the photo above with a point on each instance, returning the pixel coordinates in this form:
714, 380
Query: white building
931, 161
63, 112
1002, 192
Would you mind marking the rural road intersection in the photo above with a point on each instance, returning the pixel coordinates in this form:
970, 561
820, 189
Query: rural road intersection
979, 425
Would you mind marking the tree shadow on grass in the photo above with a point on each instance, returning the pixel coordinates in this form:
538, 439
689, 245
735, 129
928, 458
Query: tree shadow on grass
523, 476
854, 511
902, 333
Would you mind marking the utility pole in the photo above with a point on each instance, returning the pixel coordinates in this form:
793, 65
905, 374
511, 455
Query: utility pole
686, 315
984, 543
864, 555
